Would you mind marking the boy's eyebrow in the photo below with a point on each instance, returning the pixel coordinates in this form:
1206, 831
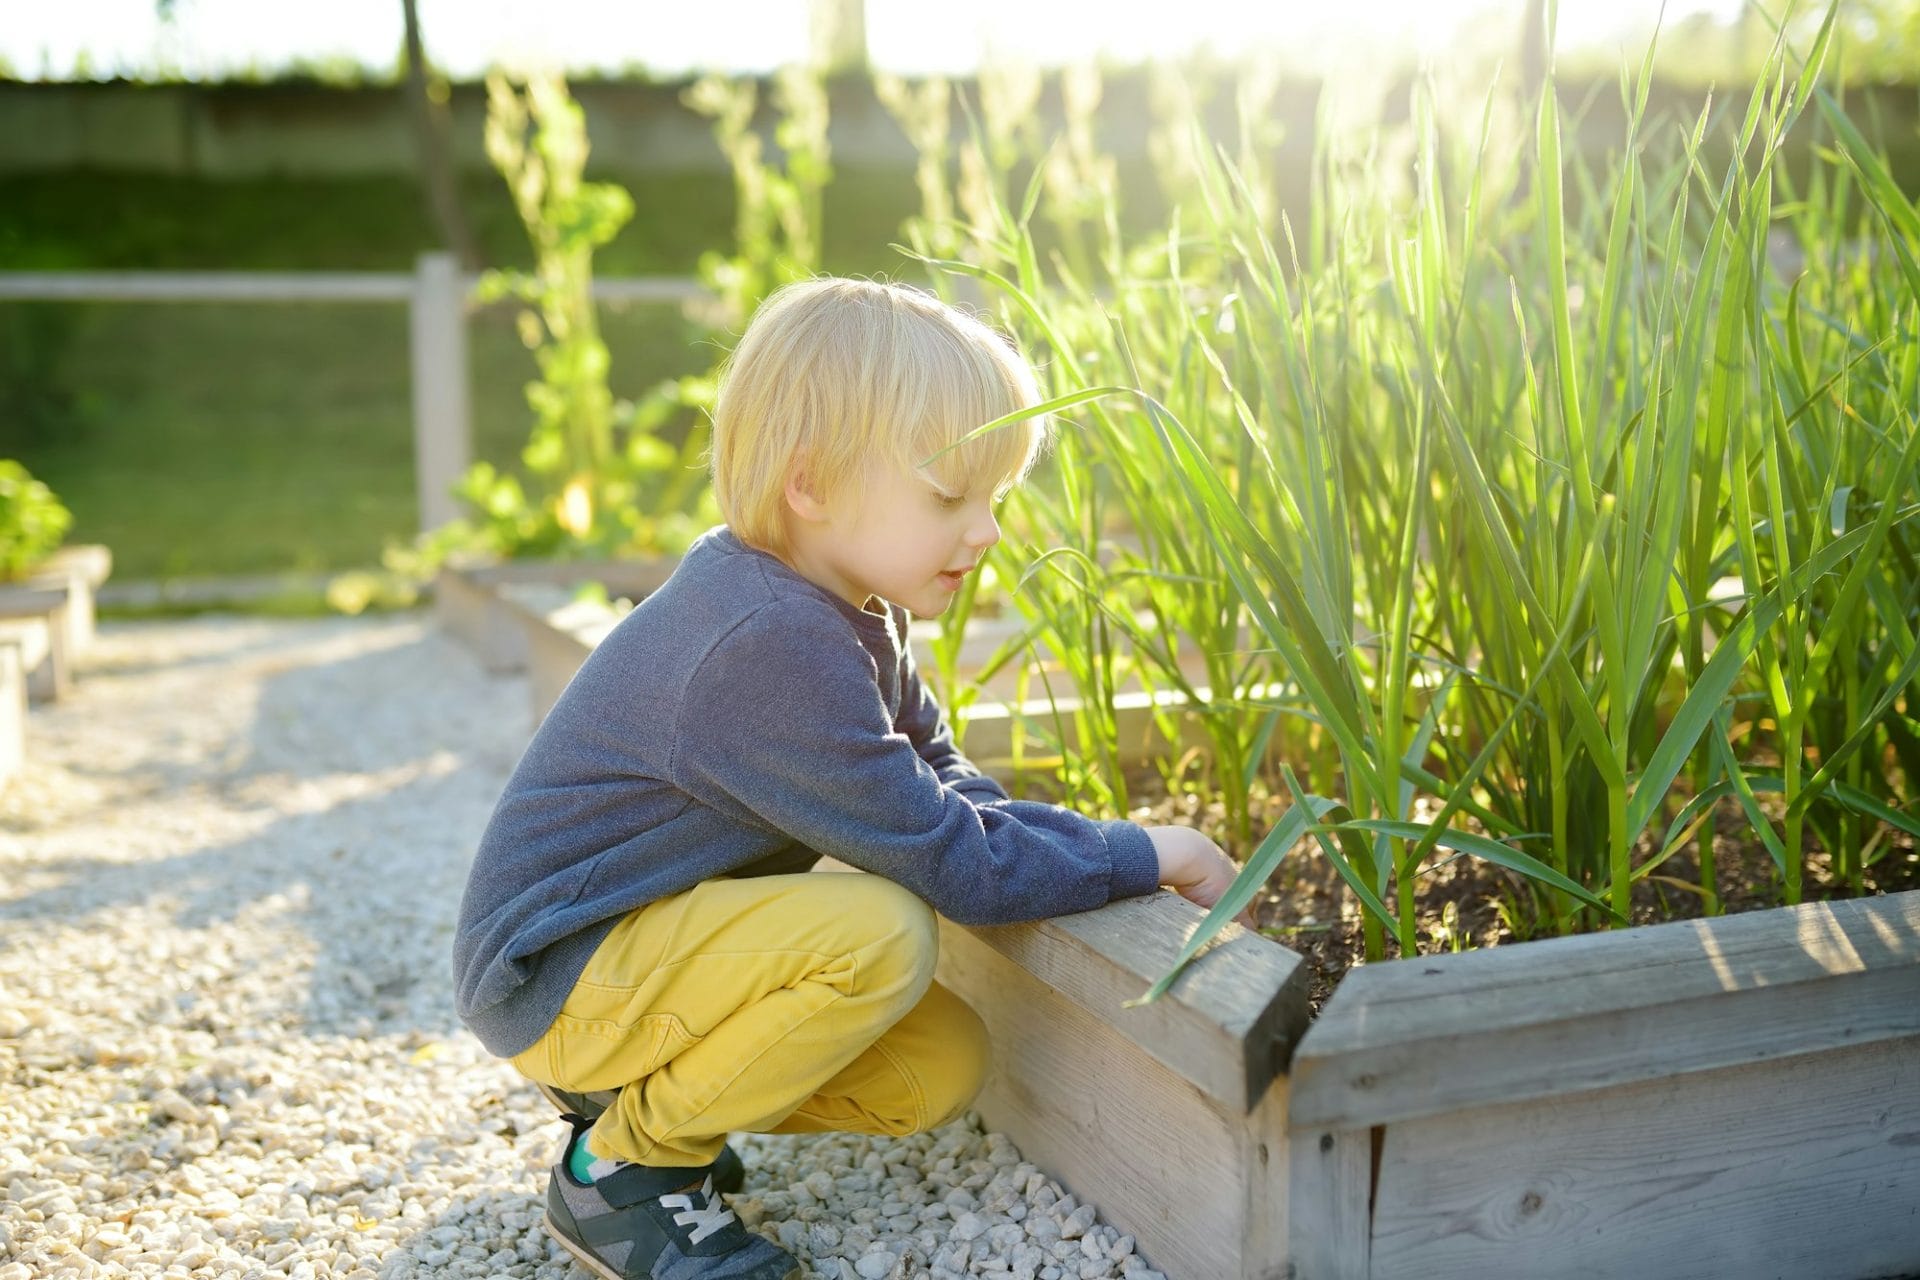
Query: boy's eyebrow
999, 491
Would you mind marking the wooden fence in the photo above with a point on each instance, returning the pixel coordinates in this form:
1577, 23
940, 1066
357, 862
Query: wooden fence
438, 297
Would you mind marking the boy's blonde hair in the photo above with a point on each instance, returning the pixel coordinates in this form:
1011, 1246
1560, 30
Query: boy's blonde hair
848, 373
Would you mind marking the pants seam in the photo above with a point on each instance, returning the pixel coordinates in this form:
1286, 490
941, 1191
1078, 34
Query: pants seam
749, 1064
920, 1116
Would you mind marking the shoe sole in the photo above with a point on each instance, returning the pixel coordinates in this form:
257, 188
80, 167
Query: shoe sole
565, 1104
594, 1264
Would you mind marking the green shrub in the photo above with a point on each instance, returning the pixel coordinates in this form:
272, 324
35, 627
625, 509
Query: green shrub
32, 521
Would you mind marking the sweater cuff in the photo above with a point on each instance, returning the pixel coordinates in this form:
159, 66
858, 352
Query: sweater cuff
1136, 866
980, 789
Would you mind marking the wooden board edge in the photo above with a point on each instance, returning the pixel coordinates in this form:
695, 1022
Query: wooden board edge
1469, 1066
1330, 1212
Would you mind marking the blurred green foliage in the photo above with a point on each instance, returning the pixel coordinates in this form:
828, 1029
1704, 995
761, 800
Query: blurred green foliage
209, 439
33, 522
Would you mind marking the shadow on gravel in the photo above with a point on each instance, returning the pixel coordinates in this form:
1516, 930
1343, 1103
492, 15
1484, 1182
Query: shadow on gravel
250, 636
382, 769
498, 1228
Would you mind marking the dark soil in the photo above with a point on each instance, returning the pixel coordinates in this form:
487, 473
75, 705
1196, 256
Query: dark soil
1308, 908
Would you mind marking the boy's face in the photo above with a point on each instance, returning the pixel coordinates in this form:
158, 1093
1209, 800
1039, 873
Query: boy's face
894, 535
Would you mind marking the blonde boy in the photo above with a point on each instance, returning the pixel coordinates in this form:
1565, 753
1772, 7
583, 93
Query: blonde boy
638, 933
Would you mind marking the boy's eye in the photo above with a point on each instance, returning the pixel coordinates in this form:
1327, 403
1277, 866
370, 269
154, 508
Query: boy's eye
949, 504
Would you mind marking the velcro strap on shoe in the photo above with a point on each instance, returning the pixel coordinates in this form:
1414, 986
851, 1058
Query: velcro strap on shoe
632, 1183
646, 1225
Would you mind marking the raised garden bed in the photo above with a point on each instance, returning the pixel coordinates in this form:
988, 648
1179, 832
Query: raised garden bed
1737, 1096
46, 623
82, 569
525, 616
13, 711
1171, 1117
1729, 1097
467, 599
34, 623
47, 615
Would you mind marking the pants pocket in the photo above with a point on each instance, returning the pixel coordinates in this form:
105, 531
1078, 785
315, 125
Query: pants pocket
591, 1053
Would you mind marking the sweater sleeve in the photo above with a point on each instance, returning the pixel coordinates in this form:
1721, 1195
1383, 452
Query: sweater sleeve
925, 725
782, 726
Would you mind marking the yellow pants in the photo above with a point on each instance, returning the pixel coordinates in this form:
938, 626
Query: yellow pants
778, 1004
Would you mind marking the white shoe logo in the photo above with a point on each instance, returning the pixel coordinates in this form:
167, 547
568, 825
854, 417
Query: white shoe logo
704, 1221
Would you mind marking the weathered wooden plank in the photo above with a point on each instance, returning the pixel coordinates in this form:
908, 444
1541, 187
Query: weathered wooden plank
633, 578
1415, 1038
35, 618
285, 286
990, 725
1228, 1024
464, 606
1600, 972
560, 632
1804, 1168
1241, 1003
474, 611
32, 601
208, 286
92, 561
13, 710
984, 637
437, 346
82, 568
1330, 1187
1266, 1170
467, 598
1199, 1185
28, 638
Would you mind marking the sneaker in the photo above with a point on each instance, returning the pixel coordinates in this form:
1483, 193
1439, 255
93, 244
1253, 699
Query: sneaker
729, 1174
645, 1222
588, 1106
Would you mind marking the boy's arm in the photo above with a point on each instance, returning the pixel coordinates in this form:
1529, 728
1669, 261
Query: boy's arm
925, 725
782, 727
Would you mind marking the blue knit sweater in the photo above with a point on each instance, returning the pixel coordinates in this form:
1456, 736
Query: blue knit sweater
743, 721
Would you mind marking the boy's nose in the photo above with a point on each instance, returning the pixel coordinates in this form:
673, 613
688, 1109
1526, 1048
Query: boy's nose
984, 534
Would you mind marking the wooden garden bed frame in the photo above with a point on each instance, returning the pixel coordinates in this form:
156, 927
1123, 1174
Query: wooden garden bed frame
82, 569
13, 709
1731, 1097
46, 623
522, 615
33, 622
471, 603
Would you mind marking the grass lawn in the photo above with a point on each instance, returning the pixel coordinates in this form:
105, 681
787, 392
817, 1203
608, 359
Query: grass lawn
257, 439
250, 438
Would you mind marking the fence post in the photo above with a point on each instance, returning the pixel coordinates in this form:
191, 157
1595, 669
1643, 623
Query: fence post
442, 436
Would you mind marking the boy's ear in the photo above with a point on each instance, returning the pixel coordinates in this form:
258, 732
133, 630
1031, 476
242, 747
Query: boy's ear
803, 496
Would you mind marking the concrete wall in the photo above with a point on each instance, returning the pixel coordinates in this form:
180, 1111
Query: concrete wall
305, 130
225, 131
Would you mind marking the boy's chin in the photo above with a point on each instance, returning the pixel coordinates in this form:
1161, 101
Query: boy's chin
931, 604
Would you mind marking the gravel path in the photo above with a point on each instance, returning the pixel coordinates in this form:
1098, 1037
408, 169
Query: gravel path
228, 878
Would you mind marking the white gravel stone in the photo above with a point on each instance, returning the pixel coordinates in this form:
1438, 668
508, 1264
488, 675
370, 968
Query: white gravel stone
228, 883
969, 1226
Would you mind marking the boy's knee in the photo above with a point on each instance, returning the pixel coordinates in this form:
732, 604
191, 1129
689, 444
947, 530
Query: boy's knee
906, 934
963, 1068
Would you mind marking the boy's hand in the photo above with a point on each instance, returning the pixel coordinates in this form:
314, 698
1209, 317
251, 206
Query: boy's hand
1194, 867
